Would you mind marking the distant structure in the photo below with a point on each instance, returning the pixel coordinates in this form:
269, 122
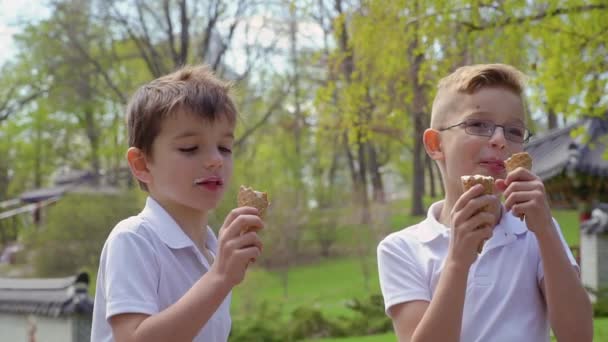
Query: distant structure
574, 170
48, 309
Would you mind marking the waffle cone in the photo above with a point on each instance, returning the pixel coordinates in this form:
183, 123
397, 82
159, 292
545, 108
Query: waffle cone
488, 189
521, 159
247, 197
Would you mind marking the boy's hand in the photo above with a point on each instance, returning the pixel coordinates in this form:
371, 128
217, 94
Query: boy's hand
470, 225
235, 250
525, 195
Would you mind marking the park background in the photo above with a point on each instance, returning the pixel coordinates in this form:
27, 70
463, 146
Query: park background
334, 96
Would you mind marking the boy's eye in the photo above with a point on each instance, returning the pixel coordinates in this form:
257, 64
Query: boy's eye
516, 131
478, 124
225, 150
189, 149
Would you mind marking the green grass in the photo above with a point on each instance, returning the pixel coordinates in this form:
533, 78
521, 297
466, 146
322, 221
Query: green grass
569, 223
600, 328
327, 285
388, 337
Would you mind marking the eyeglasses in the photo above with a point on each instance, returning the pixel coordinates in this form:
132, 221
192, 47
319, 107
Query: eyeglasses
486, 128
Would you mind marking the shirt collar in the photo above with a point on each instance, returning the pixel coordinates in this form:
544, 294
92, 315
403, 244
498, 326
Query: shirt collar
432, 228
165, 227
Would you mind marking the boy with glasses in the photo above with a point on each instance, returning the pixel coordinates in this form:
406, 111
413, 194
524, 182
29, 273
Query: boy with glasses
436, 286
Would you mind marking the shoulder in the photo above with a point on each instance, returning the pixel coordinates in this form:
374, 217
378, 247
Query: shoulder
133, 233
406, 237
403, 244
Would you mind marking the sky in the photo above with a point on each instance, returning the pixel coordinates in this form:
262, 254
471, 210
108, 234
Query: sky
12, 13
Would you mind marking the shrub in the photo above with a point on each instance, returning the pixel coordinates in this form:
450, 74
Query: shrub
76, 229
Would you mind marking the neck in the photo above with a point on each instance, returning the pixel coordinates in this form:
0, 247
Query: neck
192, 222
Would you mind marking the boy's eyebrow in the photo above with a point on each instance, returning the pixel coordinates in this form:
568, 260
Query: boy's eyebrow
186, 134
481, 112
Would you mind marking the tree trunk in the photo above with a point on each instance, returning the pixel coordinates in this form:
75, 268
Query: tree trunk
418, 110
551, 118
429, 166
378, 194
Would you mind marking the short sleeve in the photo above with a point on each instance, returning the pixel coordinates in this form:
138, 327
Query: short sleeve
402, 279
131, 275
540, 272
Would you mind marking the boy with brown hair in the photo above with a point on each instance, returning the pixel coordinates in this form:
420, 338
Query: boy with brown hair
163, 274
436, 286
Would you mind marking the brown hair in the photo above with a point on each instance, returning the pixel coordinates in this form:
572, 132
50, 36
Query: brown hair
471, 78
191, 89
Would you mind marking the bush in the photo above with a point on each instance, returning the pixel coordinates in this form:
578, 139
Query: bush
306, 322
370, 318
264, 326
75, 232
600, 307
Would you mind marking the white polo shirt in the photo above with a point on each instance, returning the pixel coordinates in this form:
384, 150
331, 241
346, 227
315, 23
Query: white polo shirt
146, 265
503, 301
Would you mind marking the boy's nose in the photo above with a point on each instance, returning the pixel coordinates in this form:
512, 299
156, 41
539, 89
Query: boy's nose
497, 139
214, 160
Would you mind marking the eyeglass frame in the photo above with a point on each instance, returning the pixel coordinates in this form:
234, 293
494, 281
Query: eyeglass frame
527, 133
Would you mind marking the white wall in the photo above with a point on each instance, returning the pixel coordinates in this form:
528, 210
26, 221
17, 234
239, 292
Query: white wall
15, 328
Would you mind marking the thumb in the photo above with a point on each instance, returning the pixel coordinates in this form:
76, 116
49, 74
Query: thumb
501, 185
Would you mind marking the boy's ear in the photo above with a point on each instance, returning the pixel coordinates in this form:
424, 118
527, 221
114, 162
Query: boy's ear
432, 143
138, 164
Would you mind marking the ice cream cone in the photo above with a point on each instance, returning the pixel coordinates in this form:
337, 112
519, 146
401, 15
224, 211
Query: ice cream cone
488, 189
247, 197
521, 159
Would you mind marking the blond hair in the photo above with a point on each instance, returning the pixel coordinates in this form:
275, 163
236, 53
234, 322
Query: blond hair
471, 78
190, 89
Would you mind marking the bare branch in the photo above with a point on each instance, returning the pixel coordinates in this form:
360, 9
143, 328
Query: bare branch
278, 102
541, 15
226, 43
214, 14
10, 106
138, 42
169, 31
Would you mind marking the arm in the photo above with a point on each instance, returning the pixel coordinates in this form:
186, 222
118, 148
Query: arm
569, 308
571, 316
183, 320
441, 319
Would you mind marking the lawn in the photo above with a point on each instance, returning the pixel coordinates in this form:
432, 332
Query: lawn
600, 326
327, 285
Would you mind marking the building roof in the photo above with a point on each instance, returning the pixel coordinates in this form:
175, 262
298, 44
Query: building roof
46, 296
558, 152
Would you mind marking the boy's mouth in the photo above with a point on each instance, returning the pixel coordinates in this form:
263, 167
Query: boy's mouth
495, 166
210, 183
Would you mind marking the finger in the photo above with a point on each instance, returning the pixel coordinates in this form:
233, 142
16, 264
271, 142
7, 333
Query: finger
518, 186
481, 220
250, 239
245, 255
519, 197
500, 184
482, 234
474, 206
521, 209
236, 212
468, 195
242, 223
520, 174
